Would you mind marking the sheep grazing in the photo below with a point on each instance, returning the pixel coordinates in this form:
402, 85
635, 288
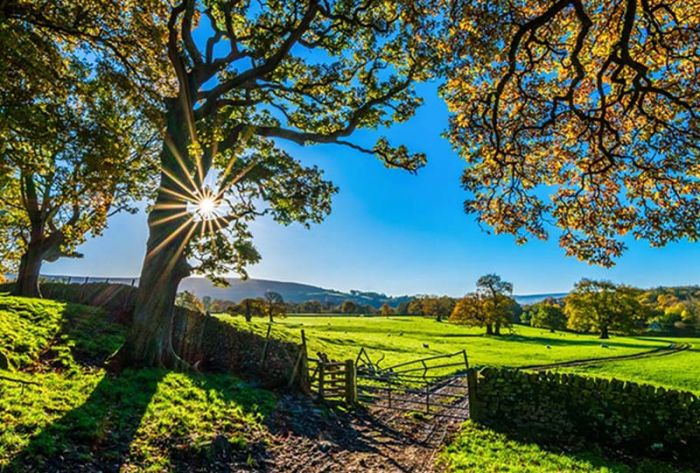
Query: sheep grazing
425, 345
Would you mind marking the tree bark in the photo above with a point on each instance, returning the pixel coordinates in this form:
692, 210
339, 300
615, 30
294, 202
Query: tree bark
604, 334
497, 330
27, 284
489, 329
149, 341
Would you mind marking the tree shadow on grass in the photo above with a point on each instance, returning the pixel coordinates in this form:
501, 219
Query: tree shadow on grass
97, 434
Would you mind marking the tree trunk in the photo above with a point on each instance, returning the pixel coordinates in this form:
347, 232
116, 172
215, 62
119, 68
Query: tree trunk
497, 330
489, 329
604, 334
27, 284
149, 341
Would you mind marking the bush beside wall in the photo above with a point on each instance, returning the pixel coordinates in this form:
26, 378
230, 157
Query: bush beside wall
565, 409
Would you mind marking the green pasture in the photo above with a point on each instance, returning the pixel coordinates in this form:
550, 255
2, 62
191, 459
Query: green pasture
677, 371
405, 338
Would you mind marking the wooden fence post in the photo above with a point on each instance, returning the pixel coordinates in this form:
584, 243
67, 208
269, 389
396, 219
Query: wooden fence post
267, 341
321, 377
466, 360
350, 383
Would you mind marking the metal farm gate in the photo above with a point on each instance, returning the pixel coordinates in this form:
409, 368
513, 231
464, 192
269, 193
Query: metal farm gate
437, 386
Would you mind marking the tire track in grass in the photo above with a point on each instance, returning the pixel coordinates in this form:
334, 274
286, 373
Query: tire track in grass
672, 349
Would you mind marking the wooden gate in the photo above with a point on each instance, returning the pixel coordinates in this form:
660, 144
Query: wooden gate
333, 380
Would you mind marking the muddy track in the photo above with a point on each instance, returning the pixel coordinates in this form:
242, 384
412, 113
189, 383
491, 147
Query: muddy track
664, 351
370, 439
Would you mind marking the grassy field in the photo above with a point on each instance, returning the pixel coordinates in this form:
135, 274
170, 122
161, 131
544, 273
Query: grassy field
405, 338
677, 371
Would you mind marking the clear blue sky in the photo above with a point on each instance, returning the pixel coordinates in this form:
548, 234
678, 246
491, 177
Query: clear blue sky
398, 233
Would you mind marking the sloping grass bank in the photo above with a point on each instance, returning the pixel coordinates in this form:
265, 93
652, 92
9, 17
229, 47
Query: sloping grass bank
75, 417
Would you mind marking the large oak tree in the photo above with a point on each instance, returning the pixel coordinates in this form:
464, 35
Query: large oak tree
252, 75
579, 114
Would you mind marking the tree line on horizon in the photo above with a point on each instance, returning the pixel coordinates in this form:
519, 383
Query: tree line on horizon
569, 115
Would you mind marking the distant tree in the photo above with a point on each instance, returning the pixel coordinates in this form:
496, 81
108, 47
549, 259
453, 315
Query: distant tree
220, 306
602, 307
548, 314
444, 307
386, 309
190, 301
206, 303
438, 306
310, 307
348, 307
274, 305
499, 304
471, 310
402, 308
251, 308
415, 307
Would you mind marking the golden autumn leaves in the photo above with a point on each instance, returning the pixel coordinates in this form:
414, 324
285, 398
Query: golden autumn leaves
579, 114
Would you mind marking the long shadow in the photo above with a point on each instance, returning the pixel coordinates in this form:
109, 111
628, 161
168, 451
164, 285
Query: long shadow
97, 434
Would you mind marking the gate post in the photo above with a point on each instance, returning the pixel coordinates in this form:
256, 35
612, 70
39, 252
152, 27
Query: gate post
471, 393
321, 377
350, 383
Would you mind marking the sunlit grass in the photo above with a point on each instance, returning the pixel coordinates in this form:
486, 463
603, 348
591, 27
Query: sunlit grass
677, 371
479, 449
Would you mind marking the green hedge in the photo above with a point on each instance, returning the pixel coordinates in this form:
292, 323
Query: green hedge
565, 409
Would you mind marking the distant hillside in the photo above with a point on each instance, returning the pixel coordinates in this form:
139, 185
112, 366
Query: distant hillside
535, 298
290, 291
297, 292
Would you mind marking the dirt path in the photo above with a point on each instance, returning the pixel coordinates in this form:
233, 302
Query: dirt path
374, 439
672, 349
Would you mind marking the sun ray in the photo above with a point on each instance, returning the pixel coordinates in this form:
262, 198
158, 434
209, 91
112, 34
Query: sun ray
169, 218
173, 149
227, 185
193, 192
178, 251
169, 238
170, 206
